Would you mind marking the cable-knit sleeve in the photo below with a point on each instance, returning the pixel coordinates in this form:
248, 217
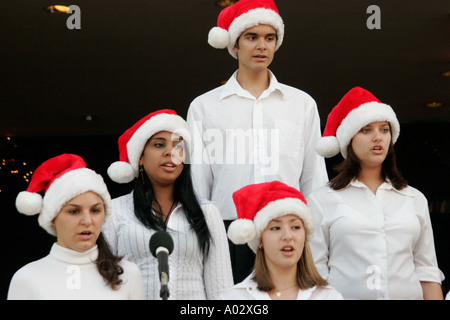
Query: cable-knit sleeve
110, 228
217, 269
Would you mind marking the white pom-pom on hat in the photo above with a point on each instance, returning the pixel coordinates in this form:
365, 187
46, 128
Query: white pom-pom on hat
218, 38
121, 172
328, 146
29, 203
241, 231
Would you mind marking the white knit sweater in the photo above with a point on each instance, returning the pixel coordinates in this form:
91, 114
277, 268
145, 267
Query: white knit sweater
70, 275
190, 276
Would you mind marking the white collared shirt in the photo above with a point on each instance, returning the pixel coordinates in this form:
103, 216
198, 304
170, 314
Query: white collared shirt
248, 290
239, 140
374, 246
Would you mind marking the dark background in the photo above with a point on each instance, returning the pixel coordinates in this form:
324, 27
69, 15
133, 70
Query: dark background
133, 57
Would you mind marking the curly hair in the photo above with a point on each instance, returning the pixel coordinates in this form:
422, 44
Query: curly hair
108, 264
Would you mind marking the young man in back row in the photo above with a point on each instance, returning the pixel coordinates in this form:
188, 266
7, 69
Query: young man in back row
253, 129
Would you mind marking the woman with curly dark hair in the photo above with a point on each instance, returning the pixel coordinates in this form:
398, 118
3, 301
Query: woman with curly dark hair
80, 264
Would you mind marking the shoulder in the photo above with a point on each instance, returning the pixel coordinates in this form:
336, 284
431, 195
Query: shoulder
29, 273
245, 290
130, 269
321, 192
326, 293
234, 293
122, 202
207, 96
210, 210
411, 191
297, 93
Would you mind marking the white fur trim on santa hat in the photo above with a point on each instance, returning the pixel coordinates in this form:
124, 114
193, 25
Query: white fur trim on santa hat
253, 18
328, 146
277, 209
363, 115
121, 172
29, 203
160, 122
67, 187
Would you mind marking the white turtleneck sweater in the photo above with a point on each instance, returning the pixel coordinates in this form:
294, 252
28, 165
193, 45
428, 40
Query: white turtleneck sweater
68, 274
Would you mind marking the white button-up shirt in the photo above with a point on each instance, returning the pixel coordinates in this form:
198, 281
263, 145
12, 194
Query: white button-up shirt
248, 290
239, 140
374, 246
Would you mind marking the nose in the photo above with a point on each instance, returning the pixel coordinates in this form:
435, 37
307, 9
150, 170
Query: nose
168, 150
377, 135
86, 218
287, 234
261, 44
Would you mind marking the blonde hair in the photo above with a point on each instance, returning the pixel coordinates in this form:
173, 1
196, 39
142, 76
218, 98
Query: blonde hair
307, 274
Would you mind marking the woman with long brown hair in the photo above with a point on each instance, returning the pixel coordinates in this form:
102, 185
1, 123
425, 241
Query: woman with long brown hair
374, 238
276, 223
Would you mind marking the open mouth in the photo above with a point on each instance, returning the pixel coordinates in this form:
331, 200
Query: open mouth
260, 56
170, 165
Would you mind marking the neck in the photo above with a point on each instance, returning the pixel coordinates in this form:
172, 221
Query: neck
285, 278
371, 177
253, 82
164, 196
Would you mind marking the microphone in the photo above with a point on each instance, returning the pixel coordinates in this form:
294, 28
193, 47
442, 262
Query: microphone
161, 246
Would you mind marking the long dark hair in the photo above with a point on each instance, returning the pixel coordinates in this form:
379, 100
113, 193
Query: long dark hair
108, 264
350, 168
144, 196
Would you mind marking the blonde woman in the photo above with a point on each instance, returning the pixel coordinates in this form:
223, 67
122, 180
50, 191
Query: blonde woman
276, 223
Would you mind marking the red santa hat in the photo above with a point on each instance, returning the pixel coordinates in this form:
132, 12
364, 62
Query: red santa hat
61, 178
258, 204
132, 142
242, 15
356, 109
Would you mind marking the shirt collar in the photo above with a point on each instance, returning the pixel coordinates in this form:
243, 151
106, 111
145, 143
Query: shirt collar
387, 185
74, 257
232, 87
252, 287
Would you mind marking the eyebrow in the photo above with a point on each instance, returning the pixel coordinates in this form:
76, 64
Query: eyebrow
290, 220
255, 34
164, 139
381, 123
78, 206
158, 138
